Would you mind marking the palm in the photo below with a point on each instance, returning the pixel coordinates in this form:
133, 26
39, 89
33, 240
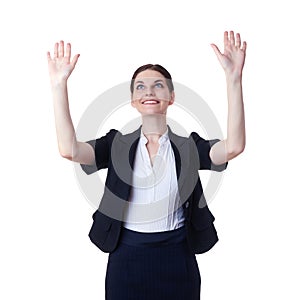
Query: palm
233, 58
60, 66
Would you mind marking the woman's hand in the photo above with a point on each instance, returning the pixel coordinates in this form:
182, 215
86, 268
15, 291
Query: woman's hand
60, 66
233, 58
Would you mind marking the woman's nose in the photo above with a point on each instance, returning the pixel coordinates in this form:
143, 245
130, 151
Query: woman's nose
149, 92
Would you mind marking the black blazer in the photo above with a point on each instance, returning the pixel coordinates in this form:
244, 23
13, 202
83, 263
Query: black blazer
116, 152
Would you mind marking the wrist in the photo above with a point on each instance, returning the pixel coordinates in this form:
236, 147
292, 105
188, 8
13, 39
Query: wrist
234, 78
61, 83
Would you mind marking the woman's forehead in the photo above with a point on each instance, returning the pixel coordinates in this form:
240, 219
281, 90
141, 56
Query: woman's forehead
149, 75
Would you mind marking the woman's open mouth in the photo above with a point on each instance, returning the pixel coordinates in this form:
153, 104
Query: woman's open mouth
150, 102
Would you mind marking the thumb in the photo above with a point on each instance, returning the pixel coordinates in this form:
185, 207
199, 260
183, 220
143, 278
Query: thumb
74, 60
216, 50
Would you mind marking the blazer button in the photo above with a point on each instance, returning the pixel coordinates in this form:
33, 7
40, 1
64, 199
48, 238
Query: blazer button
187, 204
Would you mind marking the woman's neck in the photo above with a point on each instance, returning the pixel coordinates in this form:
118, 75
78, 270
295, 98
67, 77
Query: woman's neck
154, 126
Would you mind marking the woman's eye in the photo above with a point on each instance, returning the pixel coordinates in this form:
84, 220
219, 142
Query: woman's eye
159, 85
139, 87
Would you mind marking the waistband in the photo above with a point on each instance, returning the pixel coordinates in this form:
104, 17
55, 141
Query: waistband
148, 239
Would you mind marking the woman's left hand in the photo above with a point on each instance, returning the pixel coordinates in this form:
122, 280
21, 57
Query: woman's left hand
233, 58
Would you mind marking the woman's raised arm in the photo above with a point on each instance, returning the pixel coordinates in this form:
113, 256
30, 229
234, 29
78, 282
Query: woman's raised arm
232, 61
60, 68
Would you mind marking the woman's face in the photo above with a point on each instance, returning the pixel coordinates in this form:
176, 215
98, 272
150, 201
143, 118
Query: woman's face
151, 94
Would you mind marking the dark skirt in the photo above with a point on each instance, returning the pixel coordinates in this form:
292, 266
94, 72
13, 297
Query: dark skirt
154, 266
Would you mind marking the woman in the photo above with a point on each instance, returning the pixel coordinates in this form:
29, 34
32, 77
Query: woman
152, 251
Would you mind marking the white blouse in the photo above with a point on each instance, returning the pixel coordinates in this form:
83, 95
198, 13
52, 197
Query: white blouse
154, 199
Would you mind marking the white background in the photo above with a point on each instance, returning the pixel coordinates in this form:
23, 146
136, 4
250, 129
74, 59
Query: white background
44, 217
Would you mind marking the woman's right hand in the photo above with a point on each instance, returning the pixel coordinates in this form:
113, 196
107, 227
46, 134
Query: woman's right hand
60, 66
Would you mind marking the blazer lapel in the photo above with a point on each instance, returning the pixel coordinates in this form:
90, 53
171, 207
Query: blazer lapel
123, 153
187, 164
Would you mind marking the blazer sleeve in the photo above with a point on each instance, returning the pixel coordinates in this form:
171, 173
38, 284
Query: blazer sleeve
203, 147
101, 148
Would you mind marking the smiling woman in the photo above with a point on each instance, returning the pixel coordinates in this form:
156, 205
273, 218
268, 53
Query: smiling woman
151, 94
152, 256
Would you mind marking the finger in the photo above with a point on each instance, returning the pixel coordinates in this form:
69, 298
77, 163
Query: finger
68, 51
49, 56
231, 36
244, 46
226, 41
238, 40
61, 49
56, 50
74, 60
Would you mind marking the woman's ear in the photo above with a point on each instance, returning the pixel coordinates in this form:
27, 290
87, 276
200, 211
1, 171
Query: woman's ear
172, 98
132, 102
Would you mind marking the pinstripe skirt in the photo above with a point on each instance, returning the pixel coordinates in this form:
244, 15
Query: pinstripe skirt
156, 266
